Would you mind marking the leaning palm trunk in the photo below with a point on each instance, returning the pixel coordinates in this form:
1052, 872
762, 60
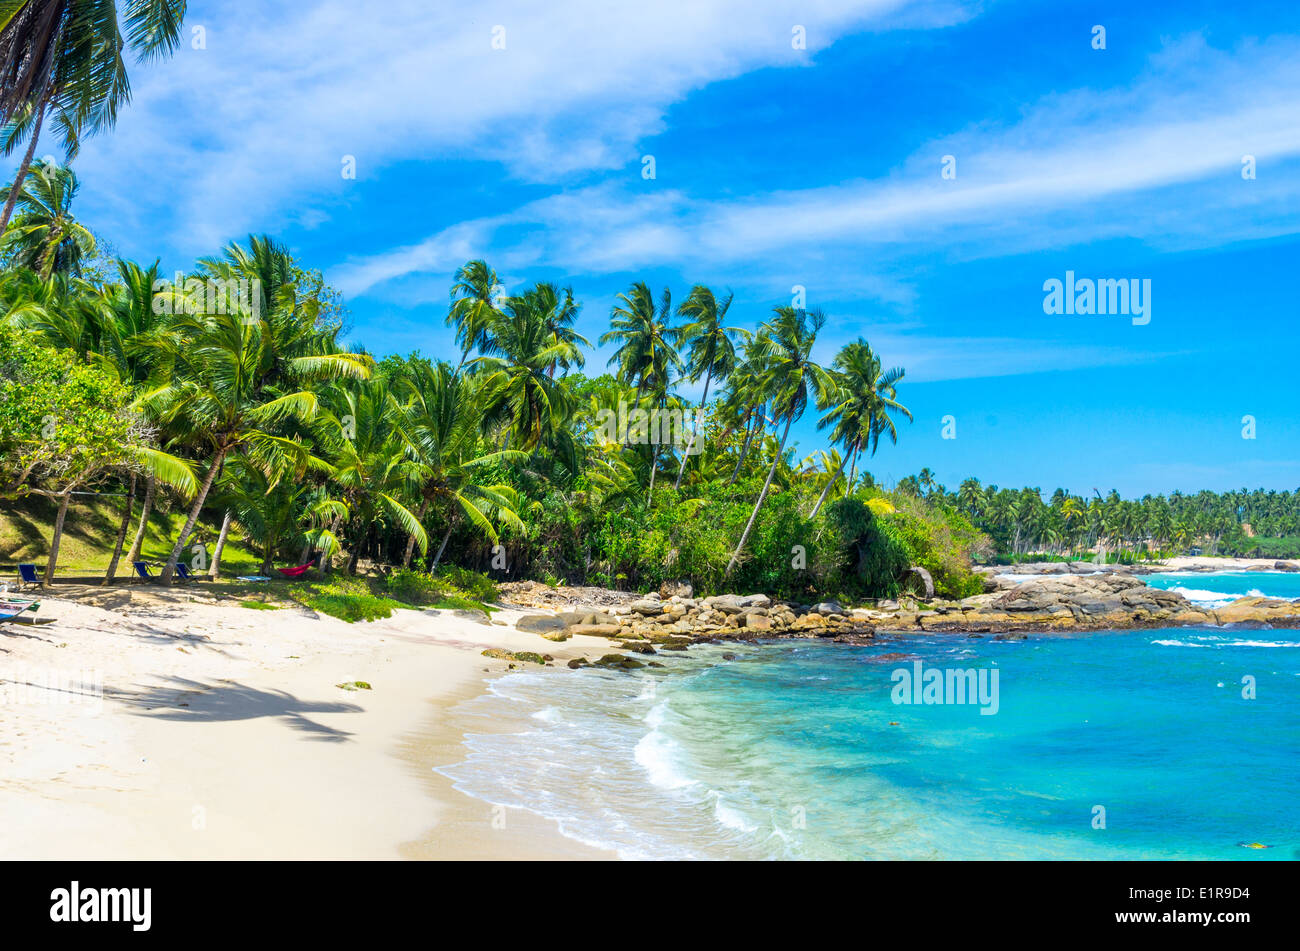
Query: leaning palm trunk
170, 568
149, 492
441, 548
695, 429
214, 569
826, 491
22, 169
735, 556
57, 536
410, 542
121, 534
744, 451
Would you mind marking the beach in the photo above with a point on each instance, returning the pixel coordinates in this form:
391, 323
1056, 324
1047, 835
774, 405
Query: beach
222, 734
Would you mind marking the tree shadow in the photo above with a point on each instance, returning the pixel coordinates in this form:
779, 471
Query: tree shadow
190, 700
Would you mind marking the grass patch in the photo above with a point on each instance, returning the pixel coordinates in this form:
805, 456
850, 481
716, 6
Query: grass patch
260, 606
458, 603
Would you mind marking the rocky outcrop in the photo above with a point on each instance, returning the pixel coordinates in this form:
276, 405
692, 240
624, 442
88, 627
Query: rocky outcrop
1036, 603
1082, 602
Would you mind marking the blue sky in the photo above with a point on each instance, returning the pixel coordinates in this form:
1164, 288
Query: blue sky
778, 167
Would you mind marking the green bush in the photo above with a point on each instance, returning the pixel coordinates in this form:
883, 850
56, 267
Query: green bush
415, 587
473, 584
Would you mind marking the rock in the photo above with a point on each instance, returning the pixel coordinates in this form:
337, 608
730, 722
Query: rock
578, 663
556, 635
595, 630
1011, 636
754, 601
828, 607
539, 623
727, 603
757, 622
647, 607
679, 589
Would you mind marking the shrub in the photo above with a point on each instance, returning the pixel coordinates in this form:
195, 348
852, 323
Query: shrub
473, 584
415, 587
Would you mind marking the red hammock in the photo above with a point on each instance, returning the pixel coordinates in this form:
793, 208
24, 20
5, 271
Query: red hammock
300, 570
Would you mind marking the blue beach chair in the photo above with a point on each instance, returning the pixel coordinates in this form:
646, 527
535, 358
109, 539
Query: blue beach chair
143, 571
27, 575
183, 570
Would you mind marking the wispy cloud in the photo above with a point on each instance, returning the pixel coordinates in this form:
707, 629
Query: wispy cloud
1159, 160
251, 129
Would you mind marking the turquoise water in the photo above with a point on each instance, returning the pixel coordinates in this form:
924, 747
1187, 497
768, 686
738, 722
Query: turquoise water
797, 750
1221, 587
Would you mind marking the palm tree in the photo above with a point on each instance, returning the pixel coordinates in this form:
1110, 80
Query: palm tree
788, 376
647, 352
444, 422
712, 349
44, 237
520, 391
863, 399
474, 310
229, 379
65, 57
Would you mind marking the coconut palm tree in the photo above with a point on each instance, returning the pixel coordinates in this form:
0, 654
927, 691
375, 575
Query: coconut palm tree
65, 57
228, 380
712, 349
474, 312
44, 237
454, 466
788, 376
863, 399
520, 392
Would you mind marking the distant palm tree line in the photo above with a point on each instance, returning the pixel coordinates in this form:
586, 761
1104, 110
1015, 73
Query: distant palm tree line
1021, 522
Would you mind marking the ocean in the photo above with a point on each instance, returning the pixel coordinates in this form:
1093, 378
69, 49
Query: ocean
1165, 744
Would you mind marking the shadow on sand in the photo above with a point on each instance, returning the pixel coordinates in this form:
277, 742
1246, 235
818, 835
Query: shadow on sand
191, 700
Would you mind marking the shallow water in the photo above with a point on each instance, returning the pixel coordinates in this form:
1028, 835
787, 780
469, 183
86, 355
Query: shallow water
1219, 588
798, 750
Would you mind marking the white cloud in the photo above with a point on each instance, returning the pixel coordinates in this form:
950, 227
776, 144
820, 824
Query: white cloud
255, 125
1158, 160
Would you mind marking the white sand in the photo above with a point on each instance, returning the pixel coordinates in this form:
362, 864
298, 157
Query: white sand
1206, 563
221, 733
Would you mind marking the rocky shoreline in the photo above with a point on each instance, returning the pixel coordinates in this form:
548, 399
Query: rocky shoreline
1051, 598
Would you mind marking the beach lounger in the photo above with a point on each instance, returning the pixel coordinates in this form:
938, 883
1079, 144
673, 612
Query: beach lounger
27, 575
252, 578
183, 570
143, 571
12, 609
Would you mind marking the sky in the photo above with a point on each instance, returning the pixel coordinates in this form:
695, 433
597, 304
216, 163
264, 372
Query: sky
921, 169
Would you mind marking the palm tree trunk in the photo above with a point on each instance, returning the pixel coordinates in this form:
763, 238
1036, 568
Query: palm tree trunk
26, 163
853, 469
826, 491
735, 556
744, 451
149, 492
695, 429
169, 569
57, 536
121, 534
441, 548
410, 542
214, 569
